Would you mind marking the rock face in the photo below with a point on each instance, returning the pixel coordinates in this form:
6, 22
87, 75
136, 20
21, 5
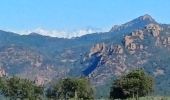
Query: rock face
98, 48
138, 33
117, 49
103, 48
154, 29
166, 41
128, 40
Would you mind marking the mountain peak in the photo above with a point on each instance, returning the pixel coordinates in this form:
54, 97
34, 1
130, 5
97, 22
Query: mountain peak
134, 24
146, 17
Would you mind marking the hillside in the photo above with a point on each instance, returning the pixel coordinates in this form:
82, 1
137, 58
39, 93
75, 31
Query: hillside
140, 43
146, 47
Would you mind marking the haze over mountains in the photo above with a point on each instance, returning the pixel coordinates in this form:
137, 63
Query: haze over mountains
63, 33
140, 43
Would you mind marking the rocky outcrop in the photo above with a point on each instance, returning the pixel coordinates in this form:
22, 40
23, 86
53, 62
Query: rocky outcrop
117, 59
98, 48
102, 49
128, 40
132, 46
166, 41
130, 43
154, 29
138, 33
2, 72
117, 49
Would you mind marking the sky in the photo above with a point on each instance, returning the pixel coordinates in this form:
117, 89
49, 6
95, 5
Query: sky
63, 18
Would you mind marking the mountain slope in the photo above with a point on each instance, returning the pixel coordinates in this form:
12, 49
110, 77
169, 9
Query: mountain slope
140, 43
146, 48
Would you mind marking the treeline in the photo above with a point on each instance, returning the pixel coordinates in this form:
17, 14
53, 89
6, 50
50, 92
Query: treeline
15, 88
135, 84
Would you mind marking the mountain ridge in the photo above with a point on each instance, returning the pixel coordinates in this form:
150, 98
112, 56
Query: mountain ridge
101, 57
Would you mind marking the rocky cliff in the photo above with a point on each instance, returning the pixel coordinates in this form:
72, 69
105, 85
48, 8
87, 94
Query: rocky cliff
146, 48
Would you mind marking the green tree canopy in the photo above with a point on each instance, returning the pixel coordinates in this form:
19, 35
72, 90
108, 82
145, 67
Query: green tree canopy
16, 88
71, 88
134, 84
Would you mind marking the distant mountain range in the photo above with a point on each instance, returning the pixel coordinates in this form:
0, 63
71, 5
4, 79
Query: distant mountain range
63, 33
140, 43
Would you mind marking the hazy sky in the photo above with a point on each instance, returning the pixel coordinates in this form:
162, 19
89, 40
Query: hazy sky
77, 14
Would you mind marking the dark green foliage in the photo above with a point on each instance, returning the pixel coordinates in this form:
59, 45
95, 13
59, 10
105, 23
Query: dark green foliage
16, 88
135, 84
71, 88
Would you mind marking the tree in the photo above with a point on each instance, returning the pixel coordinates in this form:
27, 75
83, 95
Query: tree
16, 88
71, 88
134, 84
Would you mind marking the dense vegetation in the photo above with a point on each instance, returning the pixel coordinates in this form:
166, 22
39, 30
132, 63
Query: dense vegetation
71, 88
135, 84
16, 88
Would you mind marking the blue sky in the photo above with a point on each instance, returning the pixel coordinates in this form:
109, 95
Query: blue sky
77, 14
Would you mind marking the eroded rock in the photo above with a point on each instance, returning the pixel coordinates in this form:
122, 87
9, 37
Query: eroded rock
132, 46
154, 29
138, 33
128, 40
97, 48
166, 41
118, 49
